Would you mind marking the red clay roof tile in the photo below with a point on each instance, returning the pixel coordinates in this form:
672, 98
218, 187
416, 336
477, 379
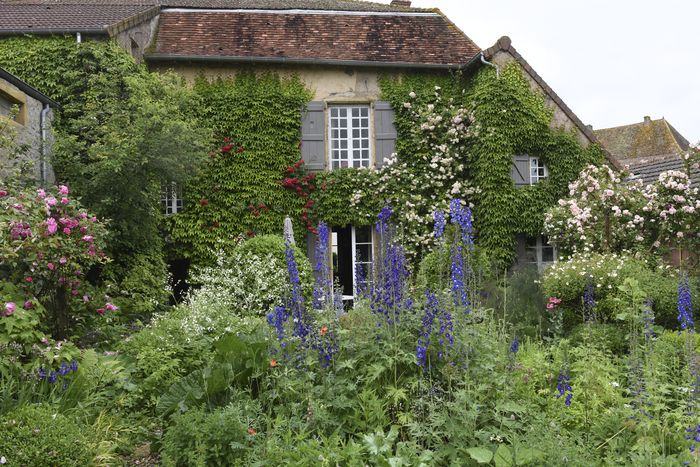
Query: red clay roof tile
425, 38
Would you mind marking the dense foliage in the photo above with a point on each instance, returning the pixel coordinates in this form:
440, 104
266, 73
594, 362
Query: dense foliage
257, 120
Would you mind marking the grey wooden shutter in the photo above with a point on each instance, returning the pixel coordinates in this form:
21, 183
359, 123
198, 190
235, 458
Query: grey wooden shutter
313, 148
520, 170
384, 132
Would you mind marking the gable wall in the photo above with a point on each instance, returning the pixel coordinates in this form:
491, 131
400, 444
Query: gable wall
561, 120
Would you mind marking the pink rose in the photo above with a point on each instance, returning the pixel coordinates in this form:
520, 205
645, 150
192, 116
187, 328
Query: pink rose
100, 311
66, 231
65, 200
51, 225
28, 305
3, 193
88, 238
41, 193
51, 266
51, 201
10, 308
111, 307
63, 260
29, 279
63, 190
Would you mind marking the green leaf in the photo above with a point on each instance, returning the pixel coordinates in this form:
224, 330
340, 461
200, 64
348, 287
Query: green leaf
480, 454
503, 457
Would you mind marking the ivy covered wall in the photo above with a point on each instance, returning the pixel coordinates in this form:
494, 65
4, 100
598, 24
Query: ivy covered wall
256, 120
457, 137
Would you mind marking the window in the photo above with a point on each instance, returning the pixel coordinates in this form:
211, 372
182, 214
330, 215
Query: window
351, 247
11, 108
540, 252
349, 136
171, 201
538, 171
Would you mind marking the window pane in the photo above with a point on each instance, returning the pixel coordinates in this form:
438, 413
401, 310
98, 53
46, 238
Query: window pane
364, 253
547, 254
363, 235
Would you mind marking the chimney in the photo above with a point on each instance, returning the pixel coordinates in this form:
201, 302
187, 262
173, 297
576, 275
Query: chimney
647, 119
590, 127
405, 3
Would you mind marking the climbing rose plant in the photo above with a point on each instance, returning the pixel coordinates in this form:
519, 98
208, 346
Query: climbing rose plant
605, 213
48, 242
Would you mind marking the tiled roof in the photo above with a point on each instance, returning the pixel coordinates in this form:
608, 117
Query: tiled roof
337, 5
650, 171
650, 139
16, 17
408, 38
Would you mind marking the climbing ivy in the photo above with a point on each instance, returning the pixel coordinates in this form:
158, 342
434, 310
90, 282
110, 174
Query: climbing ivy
456, 138
238, 193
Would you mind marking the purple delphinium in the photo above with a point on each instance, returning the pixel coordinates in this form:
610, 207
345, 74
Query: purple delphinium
648, 321
53, 377
589, 303
515, 346
439, 224
638, 385
462, 216
694, 436
360, 281
459, 289
431, 310
323, 290
383, 219
685, 305
276, 319
564, 388
296, 300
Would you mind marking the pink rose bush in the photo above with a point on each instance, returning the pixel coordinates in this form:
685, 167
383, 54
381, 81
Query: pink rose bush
47, 245
608, 212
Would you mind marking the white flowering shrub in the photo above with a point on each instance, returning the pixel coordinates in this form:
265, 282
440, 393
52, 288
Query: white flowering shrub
433, 175
603, 274
246, 284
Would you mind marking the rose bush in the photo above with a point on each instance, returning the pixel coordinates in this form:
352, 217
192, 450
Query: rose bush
48, 243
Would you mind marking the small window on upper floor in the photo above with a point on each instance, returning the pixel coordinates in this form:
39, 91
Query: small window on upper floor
10, 108
538, 171
349, 136
171, 200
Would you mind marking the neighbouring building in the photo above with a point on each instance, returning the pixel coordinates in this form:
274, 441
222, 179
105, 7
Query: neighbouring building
649, 141
339, 49
25, 118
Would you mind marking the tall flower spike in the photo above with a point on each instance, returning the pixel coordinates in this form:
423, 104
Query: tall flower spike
323, 290
685, 305
439, 224
564, 388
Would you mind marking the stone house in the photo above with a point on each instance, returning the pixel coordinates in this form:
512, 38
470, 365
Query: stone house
339, 49
25, 119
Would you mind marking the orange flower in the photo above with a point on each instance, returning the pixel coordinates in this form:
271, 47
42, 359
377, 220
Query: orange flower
273, 363
251, 431
324, 330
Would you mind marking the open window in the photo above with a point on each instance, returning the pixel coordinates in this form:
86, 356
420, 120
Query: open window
539, 252
352, 249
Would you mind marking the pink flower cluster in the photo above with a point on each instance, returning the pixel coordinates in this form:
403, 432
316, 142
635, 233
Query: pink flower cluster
108, 307
553, 302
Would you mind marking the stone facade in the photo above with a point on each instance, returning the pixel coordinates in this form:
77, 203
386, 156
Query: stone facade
27, 126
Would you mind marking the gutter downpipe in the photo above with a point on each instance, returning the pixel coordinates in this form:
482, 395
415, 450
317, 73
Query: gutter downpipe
78, 37
486, 62
43, 170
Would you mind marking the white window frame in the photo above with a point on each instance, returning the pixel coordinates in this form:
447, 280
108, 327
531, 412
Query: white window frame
538, 164
540, 245
366, 265
171, 199
353, 142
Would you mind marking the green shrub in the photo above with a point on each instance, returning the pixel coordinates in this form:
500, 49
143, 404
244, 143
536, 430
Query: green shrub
202, 439
603, 336
263, 245
605, 273
37, 435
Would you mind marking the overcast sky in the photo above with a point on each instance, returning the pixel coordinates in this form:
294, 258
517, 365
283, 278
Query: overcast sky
611, 61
